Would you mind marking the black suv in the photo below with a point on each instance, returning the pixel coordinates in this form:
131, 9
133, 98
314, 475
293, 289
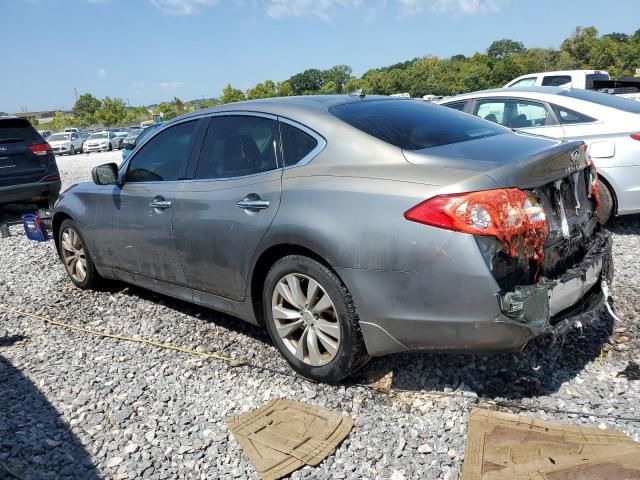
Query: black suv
28, 170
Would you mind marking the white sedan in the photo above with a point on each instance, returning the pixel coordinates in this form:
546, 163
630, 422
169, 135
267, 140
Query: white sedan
65, 143
102, 142
608, 124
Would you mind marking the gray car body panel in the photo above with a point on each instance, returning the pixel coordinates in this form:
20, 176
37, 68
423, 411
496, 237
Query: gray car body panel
414, 286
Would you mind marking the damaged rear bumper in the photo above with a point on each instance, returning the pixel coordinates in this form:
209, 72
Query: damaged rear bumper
554, 306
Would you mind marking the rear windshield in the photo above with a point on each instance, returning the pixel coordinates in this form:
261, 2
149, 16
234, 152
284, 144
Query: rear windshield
18, 130
606, 99
412, 125
59, 136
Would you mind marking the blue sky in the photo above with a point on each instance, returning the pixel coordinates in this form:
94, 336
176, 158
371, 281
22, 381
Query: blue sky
147, 51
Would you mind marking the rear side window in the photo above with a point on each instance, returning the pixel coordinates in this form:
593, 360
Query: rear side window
412, 125
604, 99
567, 116
556, 80
525, 82
513, 113
18, 130
161, 159
236, 146
456, 105
296, 144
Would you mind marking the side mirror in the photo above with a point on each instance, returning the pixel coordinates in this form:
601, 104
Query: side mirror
105, 174
129, 146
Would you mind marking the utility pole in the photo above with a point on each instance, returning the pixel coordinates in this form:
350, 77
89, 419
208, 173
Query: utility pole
75, 93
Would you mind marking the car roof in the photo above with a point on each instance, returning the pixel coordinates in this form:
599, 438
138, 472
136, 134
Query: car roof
284, 105
507, 91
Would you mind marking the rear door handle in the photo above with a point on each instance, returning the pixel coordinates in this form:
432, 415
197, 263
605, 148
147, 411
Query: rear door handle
253, 205
162, 204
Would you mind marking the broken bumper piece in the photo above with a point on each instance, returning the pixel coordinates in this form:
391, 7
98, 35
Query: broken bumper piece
556, 305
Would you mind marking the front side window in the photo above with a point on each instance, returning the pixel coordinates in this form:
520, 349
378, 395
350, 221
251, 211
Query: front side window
162, 158
525, 82
556, 80
236, 145
513, 113
296, 144
567, 116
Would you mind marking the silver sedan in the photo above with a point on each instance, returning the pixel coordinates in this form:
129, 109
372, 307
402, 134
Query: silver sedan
349, 227
609, 125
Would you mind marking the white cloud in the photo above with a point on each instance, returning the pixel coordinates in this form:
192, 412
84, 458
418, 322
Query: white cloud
102, 73
182, 7
298, 8
138, 84
460, 7
169, 85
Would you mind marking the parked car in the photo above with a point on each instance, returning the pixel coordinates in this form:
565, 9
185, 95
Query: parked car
102, 141
69, 143
609, 125
72, 129
28, 170
44, 133
350, 227
583, 79
128, 145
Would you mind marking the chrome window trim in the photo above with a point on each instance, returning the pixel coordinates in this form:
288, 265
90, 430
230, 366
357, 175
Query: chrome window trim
321, 143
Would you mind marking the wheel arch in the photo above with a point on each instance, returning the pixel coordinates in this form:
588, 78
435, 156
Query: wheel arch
264, 262
56, 221
607, 182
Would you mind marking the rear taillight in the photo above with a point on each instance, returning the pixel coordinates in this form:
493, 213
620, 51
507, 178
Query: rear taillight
511, 215
635, 136
40, 149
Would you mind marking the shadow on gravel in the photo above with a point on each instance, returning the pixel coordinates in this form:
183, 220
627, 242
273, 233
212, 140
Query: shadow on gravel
626, 225
539, 370
35, 441
11, 340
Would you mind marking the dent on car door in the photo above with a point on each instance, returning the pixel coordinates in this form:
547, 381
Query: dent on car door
524, 115
144, 205
222, 214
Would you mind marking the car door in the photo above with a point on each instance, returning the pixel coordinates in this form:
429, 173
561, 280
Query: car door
223, 212
521, 114
143, 208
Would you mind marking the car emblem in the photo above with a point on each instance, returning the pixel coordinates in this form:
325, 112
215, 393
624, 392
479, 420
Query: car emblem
575, 156
3, 149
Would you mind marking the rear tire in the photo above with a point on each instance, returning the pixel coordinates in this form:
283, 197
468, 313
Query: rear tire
72, 150
110, 146
605, 211
317, 329
76, 257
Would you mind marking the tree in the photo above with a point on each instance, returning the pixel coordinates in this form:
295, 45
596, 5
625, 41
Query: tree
34, 121
338, 75
231, 95
309, 81
113, 112
284, 89
263, 90
617, 37
504, 48
86, 104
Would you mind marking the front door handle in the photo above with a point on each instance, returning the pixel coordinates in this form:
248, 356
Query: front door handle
160, 203
253, 205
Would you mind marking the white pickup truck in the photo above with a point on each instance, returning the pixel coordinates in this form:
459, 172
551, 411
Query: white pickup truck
583, 79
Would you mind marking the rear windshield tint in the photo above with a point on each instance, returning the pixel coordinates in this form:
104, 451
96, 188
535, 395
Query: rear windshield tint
412, 125
606, 99
18, 130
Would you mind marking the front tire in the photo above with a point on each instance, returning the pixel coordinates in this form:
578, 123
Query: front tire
312, 320
72, 150
110, 146
606, 203
76, 257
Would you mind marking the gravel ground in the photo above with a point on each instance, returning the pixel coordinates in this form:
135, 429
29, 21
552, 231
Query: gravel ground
79, 406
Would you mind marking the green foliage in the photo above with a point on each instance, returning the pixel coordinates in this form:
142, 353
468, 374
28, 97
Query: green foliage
86, 104
263, 90
112, 113
501, 49
230, 95
169, 110
34, 121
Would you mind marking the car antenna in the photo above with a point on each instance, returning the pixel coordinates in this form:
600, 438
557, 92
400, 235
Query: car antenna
358, 93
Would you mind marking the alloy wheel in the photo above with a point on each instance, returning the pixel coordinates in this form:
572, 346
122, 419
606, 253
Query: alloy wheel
73, 255
306, 319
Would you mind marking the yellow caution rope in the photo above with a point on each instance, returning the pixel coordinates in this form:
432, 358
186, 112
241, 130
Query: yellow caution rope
212, 356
